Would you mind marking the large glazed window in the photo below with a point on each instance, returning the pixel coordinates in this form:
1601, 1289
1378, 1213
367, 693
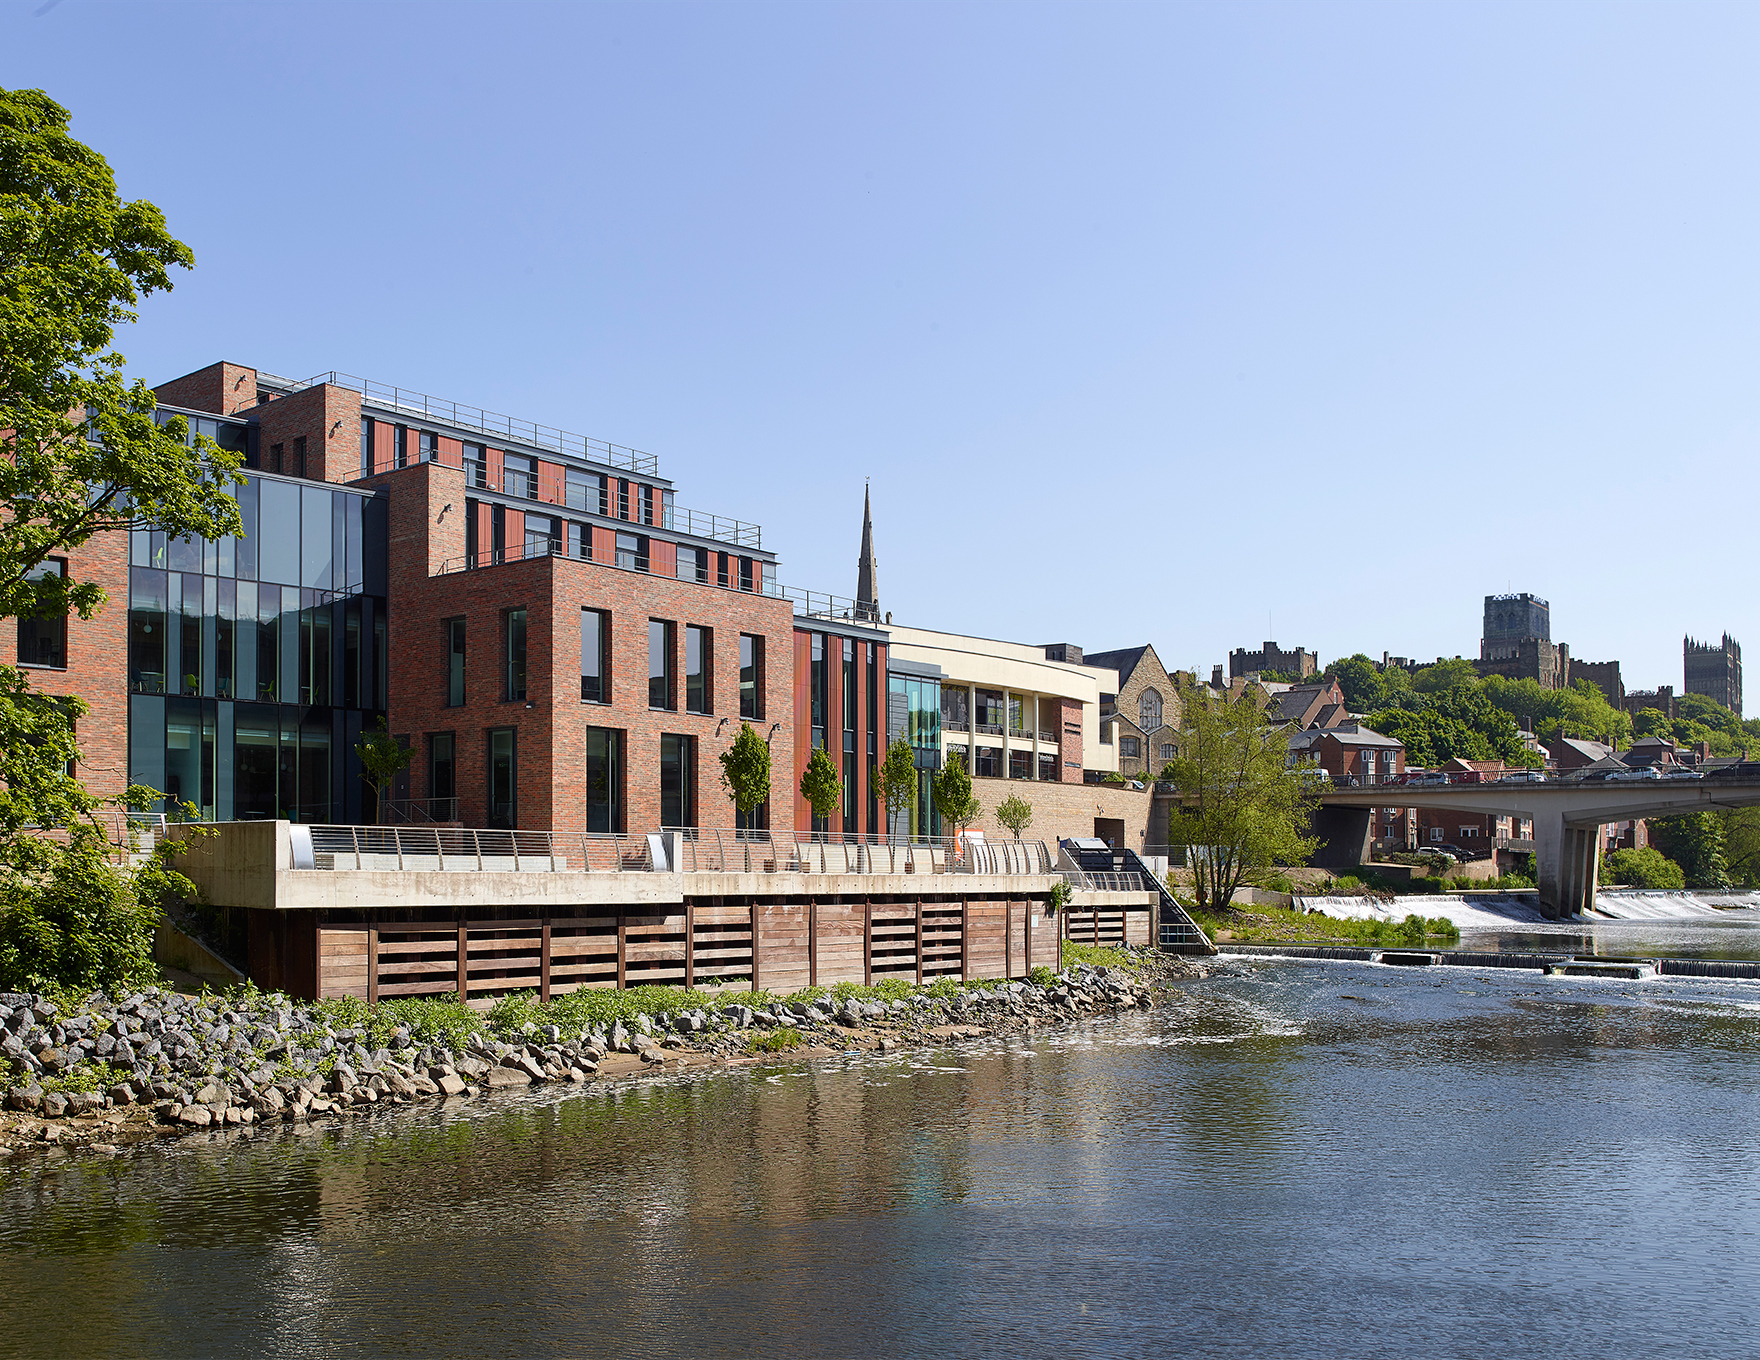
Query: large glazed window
660, 644
514, 654
503, 779
43, 641
595, 656
751, 676
1149, 710
443, 776
678, 780
604, 789
454, 662
699, 649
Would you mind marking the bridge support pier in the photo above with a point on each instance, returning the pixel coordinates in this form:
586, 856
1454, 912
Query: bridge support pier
1343, 833
1568, 864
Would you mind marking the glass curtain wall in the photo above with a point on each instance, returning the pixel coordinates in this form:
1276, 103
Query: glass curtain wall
255, 662
922, 730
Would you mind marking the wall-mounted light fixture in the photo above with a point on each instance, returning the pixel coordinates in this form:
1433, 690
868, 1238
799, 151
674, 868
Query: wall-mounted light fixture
334, 428
775, 727
719, 726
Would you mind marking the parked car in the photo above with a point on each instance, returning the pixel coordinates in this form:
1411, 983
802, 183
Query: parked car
1525, 777
1680, 772
1642, 772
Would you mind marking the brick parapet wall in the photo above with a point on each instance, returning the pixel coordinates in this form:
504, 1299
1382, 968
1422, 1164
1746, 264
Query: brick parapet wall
225, 389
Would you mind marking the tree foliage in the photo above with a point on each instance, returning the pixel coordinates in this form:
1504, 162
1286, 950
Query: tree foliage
382, 760
954, 799
81, 454
821, 785
1645, 868
895, 780
1242, 810
745, 771
1015, 813
1693, 840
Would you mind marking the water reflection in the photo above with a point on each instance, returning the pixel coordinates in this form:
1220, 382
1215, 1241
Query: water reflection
1290, 1157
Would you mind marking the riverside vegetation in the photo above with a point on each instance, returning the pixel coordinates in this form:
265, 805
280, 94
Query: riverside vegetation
108, 1070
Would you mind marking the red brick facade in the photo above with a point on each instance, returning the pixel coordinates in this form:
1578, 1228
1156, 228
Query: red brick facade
97, 665
225, 389
551, 721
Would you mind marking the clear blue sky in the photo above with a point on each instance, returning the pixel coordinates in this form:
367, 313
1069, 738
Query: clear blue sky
1146, 321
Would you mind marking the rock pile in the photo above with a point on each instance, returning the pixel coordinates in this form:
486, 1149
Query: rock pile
156, 1061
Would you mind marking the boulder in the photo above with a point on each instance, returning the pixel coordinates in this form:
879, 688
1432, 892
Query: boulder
501, 1078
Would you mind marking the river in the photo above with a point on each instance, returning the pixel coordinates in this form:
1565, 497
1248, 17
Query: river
1291, 1158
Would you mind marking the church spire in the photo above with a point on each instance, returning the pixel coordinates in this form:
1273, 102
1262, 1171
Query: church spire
867, 600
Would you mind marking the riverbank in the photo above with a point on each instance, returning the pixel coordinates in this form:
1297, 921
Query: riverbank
113, 1073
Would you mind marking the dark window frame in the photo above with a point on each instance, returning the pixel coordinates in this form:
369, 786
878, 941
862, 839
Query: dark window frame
602, 682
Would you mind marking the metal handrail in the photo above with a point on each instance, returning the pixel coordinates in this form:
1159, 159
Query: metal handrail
461, 849
1104, 880
717, 850
489, 422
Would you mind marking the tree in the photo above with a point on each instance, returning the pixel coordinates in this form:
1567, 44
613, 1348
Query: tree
1242, 810
954, 798
81, 454
745, 774
1645, 868
1693, 840
1741, 845
895, 781
821, 785
1015, 813
382, 760
1365, 685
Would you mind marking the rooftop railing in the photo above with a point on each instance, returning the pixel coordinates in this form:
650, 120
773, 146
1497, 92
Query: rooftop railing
456, 849
463, 417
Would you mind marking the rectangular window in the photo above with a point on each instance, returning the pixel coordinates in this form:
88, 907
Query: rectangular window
604, 790
366, 446
443, 776
519, 476
751, 676
632, 552
427, 446
400, 443
699, 650
476, 467
660, 638
666, 509
595, 656
514, 654
849, 791
745, 573
42, 641
503, 779
958, 753
990, 762
1127, 746
851, 696
622, 499
275, 457
721, 578
580, 541
472, 543
647, 505
1436, 833
454, 662
543, 536
693, 565
1167, 750
956, 708
873, 706
1020, 716
1048, 766
990, 711
1020, 764
577, 489
816, 691
299, 456
678, 780
497, 533
1106, 734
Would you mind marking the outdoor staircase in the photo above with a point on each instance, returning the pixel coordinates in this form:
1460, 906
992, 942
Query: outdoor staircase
1176, 932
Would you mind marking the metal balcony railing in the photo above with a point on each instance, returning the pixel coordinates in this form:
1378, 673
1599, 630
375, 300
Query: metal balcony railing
1097, 880
464, 417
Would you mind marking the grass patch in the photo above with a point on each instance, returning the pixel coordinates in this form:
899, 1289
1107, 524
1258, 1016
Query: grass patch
1273, 925
775, 1041
1097, 956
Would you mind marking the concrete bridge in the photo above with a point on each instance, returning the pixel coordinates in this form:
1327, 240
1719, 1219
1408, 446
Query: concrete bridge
1567, 814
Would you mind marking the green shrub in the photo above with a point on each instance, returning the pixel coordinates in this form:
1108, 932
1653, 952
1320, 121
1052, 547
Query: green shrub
1041, 976
1646, 868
